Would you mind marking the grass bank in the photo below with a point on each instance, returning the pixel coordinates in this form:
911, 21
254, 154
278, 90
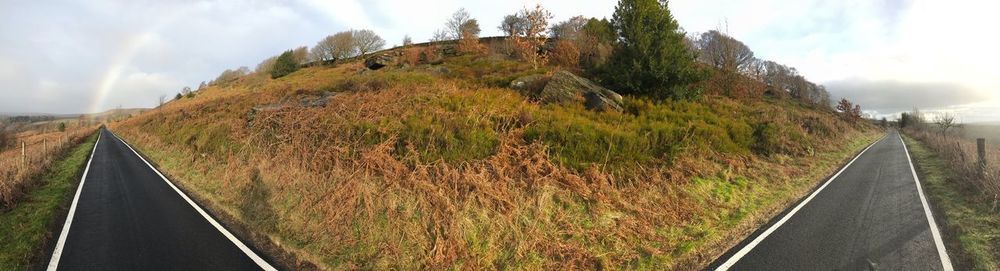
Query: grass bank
26, 226
971, 225
412, 168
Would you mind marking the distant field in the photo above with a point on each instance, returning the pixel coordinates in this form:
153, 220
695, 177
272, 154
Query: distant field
991, 132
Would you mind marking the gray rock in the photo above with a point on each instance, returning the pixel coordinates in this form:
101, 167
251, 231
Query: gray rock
524, 83
565, 87
379, 61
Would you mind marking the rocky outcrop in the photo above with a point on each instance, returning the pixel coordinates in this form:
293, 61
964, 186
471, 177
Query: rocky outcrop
379, 61
565, 87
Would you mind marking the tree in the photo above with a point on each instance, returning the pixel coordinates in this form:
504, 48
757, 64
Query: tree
455, 26
530, 40
366, 41
285, 64
570, 29
512, 25
301, 55
407, 41
162, 100
335, 47
470, 29
650, 58
178, 96
566, 54
202, 85
228, 75
724, 52
186, 90
944, 122
596, 42
265, 66
848, 110
62, 127
439, 35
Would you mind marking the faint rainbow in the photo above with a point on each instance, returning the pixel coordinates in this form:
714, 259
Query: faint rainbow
123, 59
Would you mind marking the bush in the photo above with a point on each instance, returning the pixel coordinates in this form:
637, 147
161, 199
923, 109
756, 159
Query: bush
566, 54
284, 65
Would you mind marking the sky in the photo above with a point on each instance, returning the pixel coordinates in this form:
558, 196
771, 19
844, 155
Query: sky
886, 55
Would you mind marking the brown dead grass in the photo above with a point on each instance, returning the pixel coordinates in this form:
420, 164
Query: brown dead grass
17, 176
434, 175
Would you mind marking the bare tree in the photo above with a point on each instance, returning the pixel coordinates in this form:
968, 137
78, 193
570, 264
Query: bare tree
407, 41
301, 55
162, 100
337, 46
944, 122
528, 42
512, 25
455, 25
724, 52
366, 41
265, 66
470, 29
569, 29
439, 35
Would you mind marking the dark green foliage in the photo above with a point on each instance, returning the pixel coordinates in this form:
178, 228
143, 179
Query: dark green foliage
62, 126
178, 97
651, 57
284, 65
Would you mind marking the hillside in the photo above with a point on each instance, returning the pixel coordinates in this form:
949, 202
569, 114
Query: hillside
441, 165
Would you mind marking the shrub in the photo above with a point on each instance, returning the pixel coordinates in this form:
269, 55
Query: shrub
411, 56
285, 64
565, 54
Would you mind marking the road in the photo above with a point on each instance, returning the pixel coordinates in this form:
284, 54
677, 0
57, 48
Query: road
871, 215
127, 216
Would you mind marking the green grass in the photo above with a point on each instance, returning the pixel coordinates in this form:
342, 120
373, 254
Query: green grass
24, 227
972, 230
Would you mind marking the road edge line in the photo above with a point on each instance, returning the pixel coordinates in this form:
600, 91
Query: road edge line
942, 252
750, 246
236, 241
57, 251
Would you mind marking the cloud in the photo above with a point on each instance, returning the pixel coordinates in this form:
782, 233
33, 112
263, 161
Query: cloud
894, 96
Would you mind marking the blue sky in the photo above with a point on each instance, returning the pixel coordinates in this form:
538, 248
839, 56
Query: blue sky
888, 55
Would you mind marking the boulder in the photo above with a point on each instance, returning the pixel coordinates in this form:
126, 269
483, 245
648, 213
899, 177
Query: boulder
379, 61
524, 84
566, 87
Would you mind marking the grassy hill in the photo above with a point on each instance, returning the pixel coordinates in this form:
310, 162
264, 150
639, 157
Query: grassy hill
429, 167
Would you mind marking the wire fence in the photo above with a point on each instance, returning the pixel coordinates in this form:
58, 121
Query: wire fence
974, 160
22, 163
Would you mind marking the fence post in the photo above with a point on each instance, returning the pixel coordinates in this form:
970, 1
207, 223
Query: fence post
23, 156
981, 151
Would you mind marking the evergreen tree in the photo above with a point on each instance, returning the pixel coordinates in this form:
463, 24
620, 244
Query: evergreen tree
285, 64
651, 57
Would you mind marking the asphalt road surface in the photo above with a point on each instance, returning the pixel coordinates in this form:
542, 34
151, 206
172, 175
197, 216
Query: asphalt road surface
870, 216
126, 216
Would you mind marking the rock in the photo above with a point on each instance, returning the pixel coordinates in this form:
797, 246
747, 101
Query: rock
379, 61
566, 87
600, 103
528, 85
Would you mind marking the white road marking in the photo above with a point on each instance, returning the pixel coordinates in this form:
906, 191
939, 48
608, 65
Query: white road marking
942, 253
239, 244
746, 249
57, 252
